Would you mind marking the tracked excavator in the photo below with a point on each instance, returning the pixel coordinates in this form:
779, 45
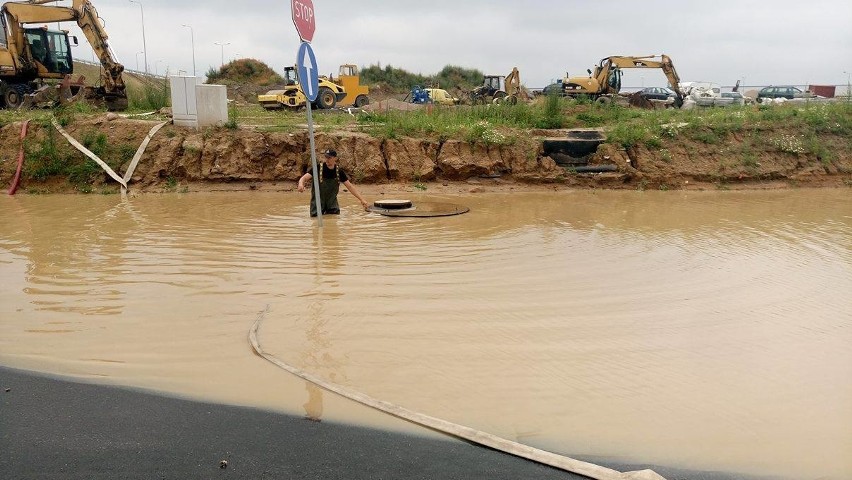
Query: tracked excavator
30, 56
605, 82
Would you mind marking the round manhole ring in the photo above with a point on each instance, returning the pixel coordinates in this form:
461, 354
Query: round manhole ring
424, 210
392, 204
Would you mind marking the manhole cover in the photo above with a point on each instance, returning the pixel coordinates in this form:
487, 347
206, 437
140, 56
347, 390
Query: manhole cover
423, 209
392, 204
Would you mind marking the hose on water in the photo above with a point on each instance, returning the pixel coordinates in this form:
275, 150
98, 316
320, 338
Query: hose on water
479, 437
17, 179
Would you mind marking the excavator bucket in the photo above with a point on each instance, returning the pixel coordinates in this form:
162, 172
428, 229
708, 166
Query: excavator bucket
71, 91
45, 95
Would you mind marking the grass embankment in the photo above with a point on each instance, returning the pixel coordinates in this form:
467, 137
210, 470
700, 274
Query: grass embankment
743, 135
795, 128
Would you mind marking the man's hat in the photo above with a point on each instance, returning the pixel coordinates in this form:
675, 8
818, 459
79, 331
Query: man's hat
330, 153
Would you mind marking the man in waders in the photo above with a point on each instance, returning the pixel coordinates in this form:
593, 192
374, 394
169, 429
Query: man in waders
331, 176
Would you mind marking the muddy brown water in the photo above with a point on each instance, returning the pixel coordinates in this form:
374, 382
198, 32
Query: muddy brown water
705, 330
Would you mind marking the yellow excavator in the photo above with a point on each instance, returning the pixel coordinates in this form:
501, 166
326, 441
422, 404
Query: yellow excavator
499, 89
292, 96
31, 55
605, 82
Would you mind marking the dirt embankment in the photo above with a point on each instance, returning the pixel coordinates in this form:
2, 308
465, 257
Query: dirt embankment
242, 158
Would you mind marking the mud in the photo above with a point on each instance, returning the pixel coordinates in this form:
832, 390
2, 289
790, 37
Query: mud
245, 158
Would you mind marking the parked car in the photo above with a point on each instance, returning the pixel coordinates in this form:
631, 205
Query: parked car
658, 93
737, 98
552, 89
783, 91
441, 97
722, 99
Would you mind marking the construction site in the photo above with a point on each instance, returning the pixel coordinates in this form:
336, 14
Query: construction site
590, 277
580, 132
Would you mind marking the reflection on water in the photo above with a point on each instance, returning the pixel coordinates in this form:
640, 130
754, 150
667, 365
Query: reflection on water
706, 330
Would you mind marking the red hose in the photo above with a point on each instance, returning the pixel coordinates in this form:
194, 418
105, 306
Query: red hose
17, 179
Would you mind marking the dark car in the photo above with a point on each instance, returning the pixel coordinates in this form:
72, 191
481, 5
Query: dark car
552, 89
783, 91
657, 93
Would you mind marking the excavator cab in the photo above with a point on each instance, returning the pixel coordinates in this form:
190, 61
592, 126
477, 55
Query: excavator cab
51, 49
492, 83
614, 79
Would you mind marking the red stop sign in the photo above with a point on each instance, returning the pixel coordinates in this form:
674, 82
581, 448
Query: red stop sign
303, 18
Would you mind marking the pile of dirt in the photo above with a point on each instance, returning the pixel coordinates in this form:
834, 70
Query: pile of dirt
245, 79
245, 71
391, 104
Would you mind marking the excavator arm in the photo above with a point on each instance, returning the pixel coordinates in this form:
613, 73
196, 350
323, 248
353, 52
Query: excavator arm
82, 12
662, 62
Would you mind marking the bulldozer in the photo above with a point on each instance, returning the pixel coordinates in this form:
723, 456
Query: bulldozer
498, 89
357, 95
292, 96
604, 84
30, 57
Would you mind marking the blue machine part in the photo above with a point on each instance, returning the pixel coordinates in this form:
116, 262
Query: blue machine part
419, 95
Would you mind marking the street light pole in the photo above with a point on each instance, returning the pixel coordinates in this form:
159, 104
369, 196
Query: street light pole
144, 44
223, 50
192, 33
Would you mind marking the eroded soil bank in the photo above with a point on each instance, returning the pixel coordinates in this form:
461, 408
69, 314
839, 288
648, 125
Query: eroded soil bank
245, 158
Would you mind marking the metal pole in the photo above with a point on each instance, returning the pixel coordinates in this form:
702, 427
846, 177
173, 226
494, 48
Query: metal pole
144, 43
192, 33
223, 51
314, 164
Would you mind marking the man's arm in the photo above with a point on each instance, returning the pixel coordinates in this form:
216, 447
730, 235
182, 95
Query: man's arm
354, 192
304, 179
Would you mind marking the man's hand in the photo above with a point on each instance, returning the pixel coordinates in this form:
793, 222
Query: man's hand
365, 205
300, 186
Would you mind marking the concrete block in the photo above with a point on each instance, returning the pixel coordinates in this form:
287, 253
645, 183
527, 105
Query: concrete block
184, 109
212, 104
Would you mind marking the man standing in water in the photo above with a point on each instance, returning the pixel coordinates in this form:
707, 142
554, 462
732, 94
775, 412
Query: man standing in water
331, 176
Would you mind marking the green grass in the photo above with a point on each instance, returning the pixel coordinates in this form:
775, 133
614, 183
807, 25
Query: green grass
626, 126
148, 97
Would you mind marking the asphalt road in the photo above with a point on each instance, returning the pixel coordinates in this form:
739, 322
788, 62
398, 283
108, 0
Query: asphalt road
52, 428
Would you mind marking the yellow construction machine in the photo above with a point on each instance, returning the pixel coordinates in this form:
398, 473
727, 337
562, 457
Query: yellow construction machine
292, 96
498, 89
605, 82
31, 55
357, 95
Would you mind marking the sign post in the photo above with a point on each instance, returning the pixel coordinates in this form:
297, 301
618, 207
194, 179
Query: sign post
306, 67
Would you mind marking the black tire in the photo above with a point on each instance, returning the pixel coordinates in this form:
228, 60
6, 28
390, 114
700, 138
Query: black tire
326, 98
604, 100
13, 95
498, 98
362, 100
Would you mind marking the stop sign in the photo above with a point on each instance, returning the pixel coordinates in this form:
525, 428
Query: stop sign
303, 18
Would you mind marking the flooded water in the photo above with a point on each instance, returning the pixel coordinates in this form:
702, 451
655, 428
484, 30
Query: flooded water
706, 330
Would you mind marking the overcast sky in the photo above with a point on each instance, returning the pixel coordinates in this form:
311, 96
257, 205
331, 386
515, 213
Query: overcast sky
763, 42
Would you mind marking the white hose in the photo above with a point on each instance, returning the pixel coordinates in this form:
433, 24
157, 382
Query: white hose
139, 151
89, 154
460, 431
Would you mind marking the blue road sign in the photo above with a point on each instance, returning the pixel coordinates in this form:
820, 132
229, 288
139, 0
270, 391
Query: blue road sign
306, 66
